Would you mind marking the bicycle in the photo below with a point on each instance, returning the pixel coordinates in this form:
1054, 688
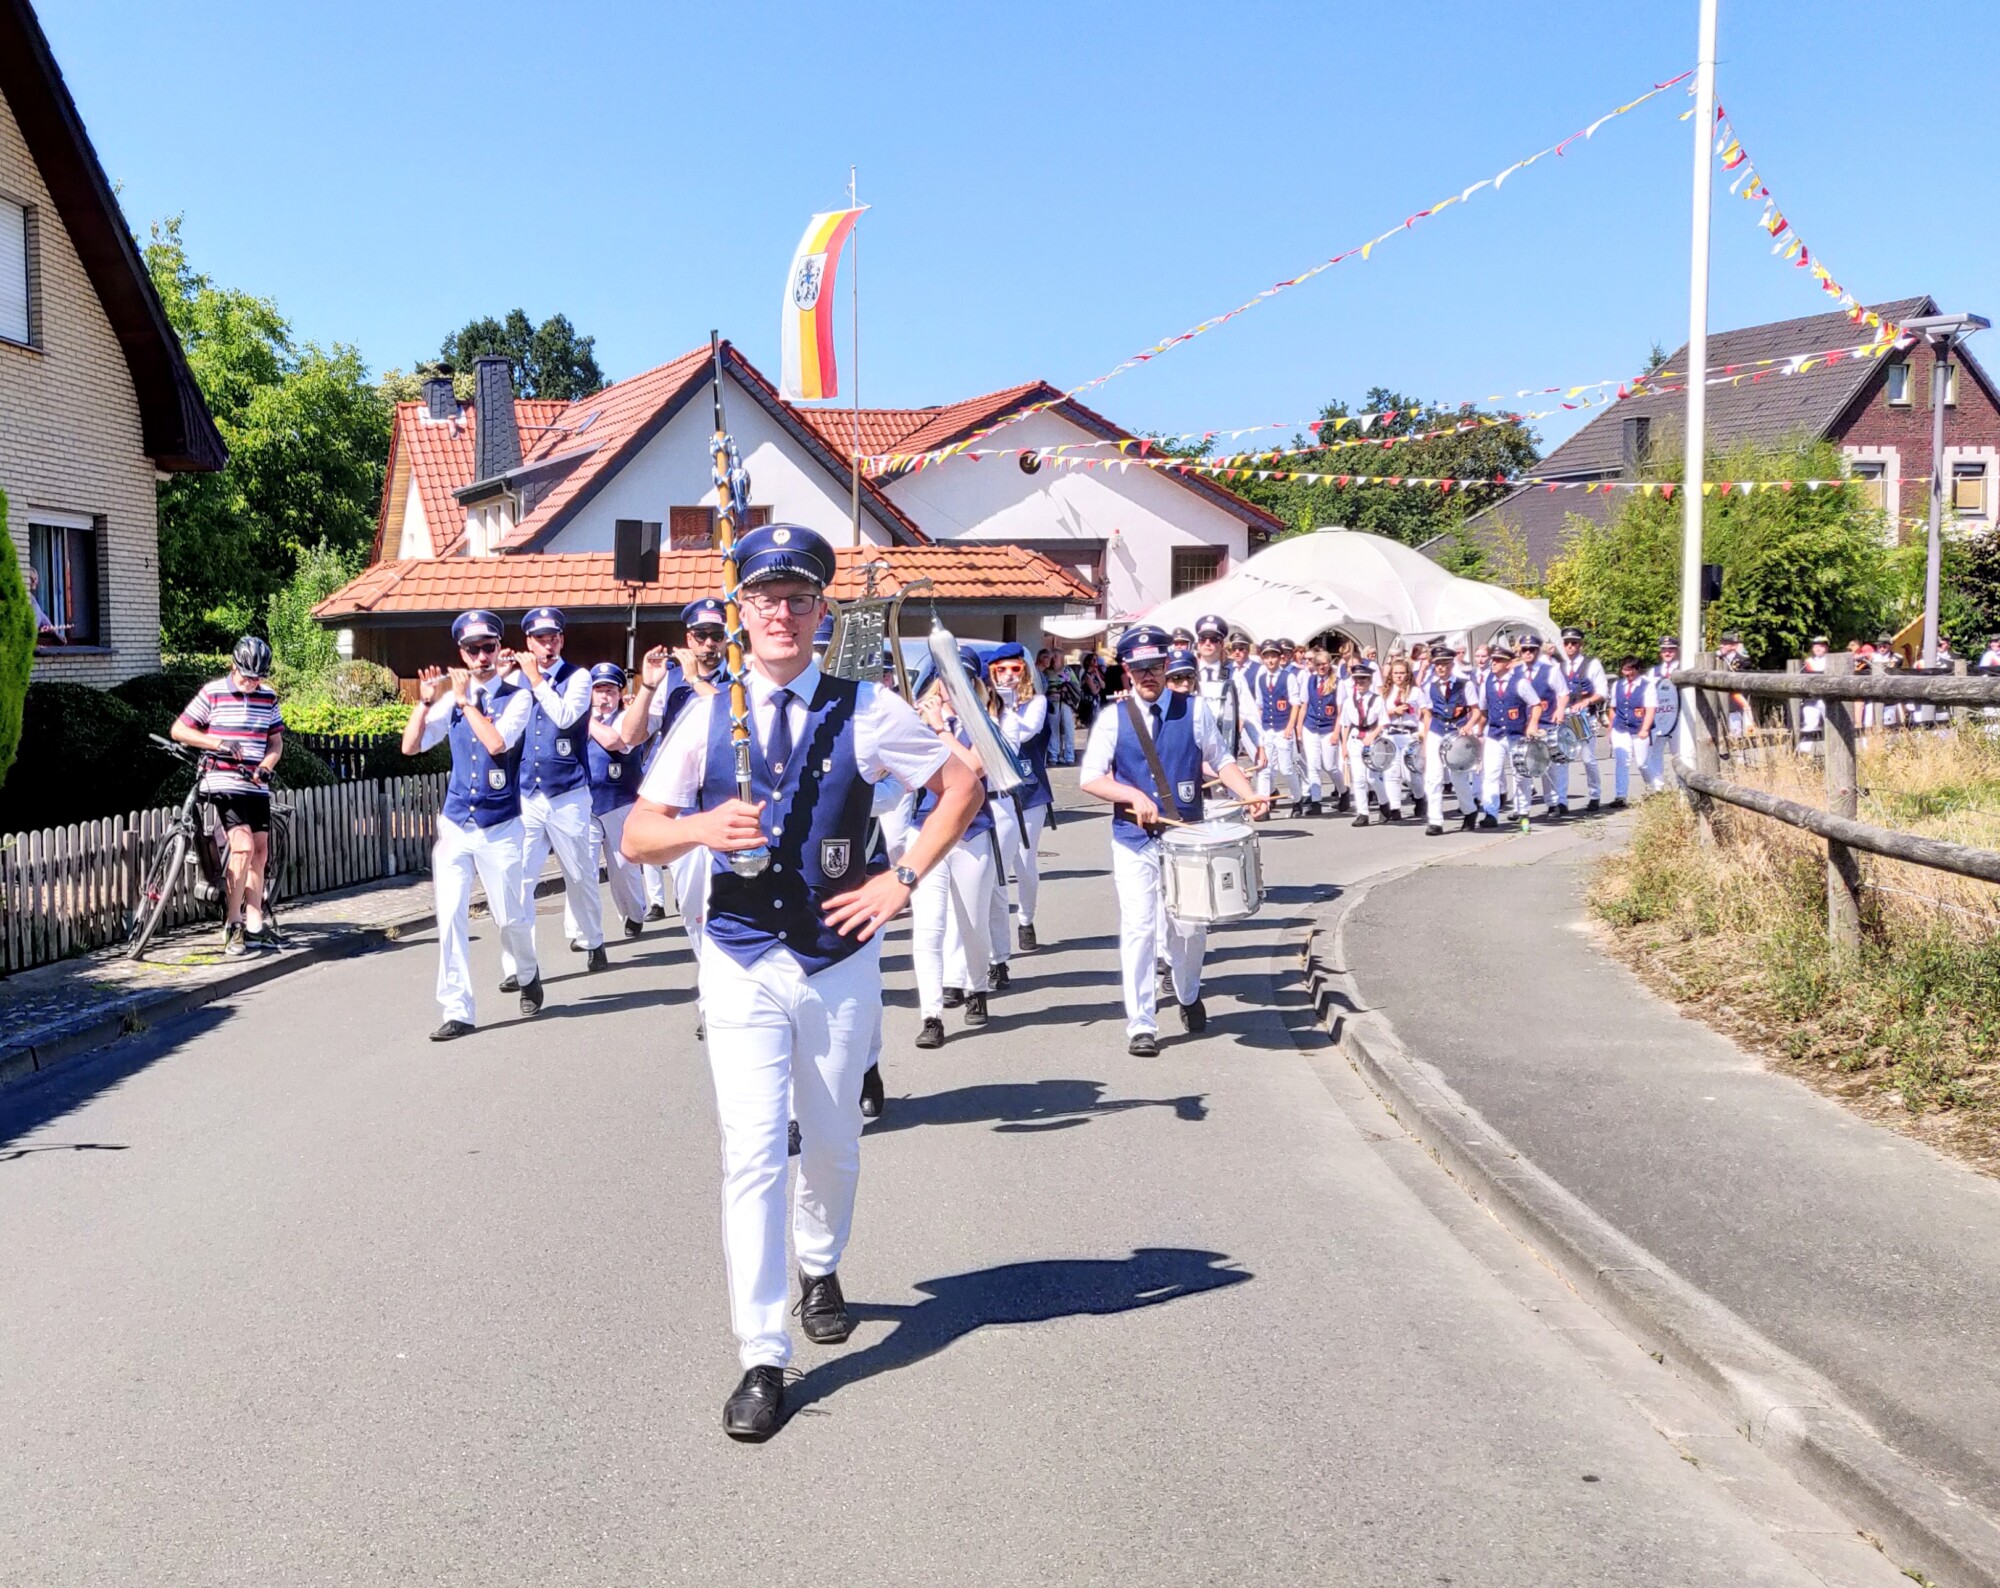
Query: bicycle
196, 852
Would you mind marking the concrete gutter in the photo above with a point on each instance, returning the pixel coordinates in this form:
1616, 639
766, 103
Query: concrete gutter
1775, 1401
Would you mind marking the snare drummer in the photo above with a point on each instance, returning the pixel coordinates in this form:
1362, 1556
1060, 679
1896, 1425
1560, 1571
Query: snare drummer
1545, 678
1508, 710
1584, 689
1360, 722
1117, 770
1446, 704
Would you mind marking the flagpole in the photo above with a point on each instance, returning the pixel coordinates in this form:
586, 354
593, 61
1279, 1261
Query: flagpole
854, 361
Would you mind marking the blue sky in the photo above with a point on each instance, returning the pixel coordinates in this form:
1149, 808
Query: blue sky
1054, 186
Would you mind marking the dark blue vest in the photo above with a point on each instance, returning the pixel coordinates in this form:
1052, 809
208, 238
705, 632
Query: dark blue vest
1577, 679
1180, 759
1448, 704
816, 822
614, 779
1628, 705
482, 790
923, 802
1545, 678
1274, 698
1034, 754
553, 759
1322, 703
1506, 711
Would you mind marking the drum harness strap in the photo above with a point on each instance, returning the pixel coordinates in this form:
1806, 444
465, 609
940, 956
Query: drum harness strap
1162, 785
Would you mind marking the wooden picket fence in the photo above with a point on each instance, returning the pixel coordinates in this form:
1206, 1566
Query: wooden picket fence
64, 890
347, 754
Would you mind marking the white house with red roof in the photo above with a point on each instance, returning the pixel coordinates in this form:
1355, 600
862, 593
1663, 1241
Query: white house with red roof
509, 503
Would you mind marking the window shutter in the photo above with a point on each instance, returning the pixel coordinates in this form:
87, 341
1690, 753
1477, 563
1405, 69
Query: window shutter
13, 272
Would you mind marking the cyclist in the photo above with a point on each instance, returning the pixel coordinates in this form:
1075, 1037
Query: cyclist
236, 719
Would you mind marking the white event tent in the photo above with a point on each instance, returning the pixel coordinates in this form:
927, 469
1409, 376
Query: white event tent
1378, 591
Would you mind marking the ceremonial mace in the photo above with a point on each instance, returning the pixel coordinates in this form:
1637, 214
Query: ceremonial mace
732, 491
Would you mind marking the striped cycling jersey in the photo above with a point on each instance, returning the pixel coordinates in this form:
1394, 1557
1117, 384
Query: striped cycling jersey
246, 718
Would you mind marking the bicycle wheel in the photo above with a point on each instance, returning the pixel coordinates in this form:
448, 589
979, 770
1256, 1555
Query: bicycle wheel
275, 857
155, 893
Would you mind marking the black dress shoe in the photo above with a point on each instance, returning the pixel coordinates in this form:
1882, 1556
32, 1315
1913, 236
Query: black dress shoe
599, 960
932, 1034
1194, 1016
1361, 820
975, 1009
998, 977
634, 928
1468, 822
792, 1139
756, 1406
1025, 939
1433, 830
822, 1309
871, 1092
510, 984
452, 1029
1489, 823
1592, 806
531, 997
576, 946
656, 912
1145, 1045
953, 997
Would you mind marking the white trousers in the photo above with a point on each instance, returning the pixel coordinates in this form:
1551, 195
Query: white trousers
1361, 777
951, 900
656, 886
1496, 773
1147, 934
1281, 762
626, 880
1628, 755
1593, 778
494, 853
1656, 762
1435, 773
1018, 848
690, 876
784, 1045
999, 942
1322, 758
561, 822
1390, 786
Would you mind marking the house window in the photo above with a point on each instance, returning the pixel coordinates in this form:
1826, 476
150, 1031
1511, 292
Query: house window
16, 301
1968, 490
64, 557
1874, 477
1899, 385
1194, 568
693, 528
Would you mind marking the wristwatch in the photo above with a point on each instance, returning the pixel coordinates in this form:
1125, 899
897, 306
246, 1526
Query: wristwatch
906, 876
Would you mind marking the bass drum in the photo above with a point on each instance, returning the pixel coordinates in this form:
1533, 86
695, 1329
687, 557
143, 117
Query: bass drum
1462, 752
1531, 757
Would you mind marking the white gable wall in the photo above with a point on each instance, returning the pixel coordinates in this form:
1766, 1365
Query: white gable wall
1138, 513
672, 470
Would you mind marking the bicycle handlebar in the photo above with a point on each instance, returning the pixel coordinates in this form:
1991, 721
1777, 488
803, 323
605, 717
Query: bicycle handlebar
223, 760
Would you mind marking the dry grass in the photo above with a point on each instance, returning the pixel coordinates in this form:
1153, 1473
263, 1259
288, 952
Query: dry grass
1906, 1032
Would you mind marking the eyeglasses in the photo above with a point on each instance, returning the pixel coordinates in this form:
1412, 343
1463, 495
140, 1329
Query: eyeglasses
768, 606
484, 648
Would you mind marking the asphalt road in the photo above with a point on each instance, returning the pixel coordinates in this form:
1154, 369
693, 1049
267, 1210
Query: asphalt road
293, 1296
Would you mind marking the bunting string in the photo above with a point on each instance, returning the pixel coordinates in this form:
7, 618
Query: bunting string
1786, 242
1359, 250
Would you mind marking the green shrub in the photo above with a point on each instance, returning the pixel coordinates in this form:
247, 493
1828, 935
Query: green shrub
322, 716
17, 645
297, 768
84, 754
161, 697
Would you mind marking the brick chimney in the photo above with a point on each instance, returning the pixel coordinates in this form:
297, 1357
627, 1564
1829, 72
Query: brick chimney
496, 443
440, 406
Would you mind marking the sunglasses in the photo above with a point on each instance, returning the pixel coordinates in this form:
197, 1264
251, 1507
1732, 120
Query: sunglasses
483, 648
708, 636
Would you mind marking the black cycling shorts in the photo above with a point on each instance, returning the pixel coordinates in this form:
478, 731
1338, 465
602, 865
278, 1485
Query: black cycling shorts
243, 810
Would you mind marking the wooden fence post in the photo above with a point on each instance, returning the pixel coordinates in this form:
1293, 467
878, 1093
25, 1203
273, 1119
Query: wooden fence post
1792, 710
1707, 754
1843, 871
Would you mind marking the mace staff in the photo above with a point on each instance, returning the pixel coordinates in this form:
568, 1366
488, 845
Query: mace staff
732, 493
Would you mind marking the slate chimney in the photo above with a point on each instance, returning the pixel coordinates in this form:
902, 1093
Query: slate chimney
496, 444
440, 406
1637, 444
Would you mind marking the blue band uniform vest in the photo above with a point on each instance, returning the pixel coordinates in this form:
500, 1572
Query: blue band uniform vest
1274, 699
1627, 705
1322, 703
1506, 712
552, 758
1448, 704
1180, 758
614, 777
482, 790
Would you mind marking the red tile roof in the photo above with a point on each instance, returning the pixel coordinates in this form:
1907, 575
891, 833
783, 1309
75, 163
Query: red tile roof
916, 429
440, 460
985, 571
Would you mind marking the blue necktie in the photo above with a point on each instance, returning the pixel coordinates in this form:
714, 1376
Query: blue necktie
778, 748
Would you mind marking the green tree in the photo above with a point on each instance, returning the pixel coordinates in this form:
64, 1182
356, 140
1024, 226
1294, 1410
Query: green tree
1411, 515
1794, 562
549, 360
17, 645
302, 647
308, 438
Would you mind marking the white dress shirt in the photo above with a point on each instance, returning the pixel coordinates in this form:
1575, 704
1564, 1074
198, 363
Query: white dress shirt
512, 721
1102, 745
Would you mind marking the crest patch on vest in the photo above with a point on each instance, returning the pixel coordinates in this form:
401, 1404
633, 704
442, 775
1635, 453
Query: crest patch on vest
834, 855
496, 777
562, 747
615, 770
1184, 792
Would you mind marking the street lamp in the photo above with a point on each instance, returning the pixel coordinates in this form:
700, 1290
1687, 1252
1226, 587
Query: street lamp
1943, 332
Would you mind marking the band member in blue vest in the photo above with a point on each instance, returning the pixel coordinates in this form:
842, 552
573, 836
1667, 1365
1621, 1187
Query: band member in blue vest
1509, 710
1666, 713
1446, 703
1632, 712
1319, 732
791, 962
951, 947
663, 692
1584, 687
1280, 708
615, 769
1546, 679
1116, 769
555, 786
483, 713
1024, 724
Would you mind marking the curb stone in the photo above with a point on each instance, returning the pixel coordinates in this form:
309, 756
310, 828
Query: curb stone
133, 1013
1776, 1401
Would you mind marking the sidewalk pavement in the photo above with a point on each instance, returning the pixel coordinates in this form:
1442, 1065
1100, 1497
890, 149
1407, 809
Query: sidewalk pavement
54, 1012
1868, 1258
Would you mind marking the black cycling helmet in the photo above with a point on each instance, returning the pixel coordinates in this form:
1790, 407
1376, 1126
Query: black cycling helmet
252, 657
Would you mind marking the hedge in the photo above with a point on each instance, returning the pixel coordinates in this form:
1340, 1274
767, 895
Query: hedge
319, 716
17, 645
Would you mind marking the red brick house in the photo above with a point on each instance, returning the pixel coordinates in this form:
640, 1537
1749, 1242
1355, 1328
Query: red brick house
1876, 410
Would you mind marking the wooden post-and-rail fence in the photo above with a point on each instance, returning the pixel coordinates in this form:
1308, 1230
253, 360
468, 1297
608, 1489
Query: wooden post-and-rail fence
64, 890
1837, 824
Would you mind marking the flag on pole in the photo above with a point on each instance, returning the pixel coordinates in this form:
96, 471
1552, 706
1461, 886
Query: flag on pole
809, 372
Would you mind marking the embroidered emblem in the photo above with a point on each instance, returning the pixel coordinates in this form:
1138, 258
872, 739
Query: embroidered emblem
834, 854
496, 777
781, 537
1184, 792
615, 771
562, 747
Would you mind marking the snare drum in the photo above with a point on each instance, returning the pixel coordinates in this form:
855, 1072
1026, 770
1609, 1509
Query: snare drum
1212, 872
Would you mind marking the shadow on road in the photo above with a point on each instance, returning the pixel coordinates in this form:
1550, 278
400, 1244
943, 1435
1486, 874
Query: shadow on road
1026, 1107
29, 1104
1037, 1292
